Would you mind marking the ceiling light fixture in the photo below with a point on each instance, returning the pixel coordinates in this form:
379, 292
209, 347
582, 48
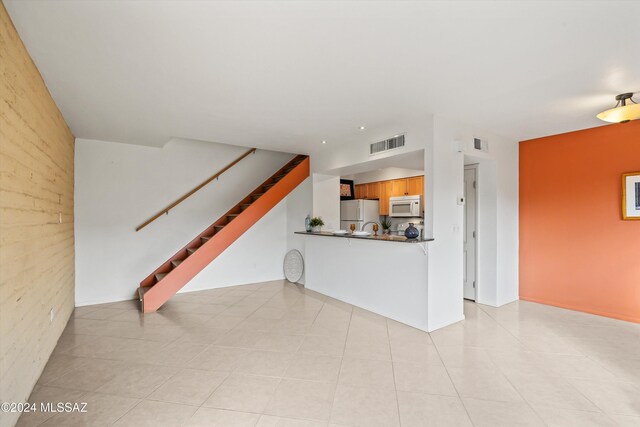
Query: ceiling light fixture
623, 111
362, 128
324, 142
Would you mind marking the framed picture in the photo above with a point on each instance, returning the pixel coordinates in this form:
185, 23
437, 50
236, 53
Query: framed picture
631, 195
346, 189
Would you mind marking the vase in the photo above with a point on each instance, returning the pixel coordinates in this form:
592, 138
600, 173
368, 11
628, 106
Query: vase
316, 229
411, 232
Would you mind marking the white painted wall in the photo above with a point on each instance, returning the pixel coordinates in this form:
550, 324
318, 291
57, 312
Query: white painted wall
498, 211
328, 157
326, 199
118, 186
299, 204
444, 180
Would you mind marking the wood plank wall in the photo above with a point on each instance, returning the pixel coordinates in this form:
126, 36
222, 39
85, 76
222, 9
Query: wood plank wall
36, 220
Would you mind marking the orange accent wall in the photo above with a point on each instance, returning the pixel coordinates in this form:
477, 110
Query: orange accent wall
576, 251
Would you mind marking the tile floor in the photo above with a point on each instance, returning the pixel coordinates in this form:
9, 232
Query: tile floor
274, 354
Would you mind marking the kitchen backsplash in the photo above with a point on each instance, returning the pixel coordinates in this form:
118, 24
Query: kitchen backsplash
396, 221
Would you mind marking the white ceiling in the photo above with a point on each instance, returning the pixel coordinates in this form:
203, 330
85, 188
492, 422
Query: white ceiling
286, 75
413, 160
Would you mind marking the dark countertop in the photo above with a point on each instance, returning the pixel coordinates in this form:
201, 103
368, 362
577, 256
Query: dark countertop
379, 237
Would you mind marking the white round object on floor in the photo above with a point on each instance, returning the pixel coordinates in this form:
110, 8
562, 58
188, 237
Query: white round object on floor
293, 265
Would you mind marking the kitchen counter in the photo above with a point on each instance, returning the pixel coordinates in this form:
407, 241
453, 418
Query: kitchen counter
388, 279
379, 237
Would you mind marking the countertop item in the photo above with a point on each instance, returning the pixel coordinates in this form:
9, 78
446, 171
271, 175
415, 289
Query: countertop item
380, 238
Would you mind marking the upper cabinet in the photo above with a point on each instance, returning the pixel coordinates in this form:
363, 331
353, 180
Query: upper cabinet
385, 191
382, 190
373, 190
398, 187
369, 191
407, 186
415, 185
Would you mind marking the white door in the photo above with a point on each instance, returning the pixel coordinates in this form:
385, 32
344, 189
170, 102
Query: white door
470, 232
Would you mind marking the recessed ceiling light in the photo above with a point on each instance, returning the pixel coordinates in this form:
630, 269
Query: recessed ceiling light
362, 128
324, 142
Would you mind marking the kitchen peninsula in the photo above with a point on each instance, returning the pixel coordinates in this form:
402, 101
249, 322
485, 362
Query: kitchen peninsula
383, 274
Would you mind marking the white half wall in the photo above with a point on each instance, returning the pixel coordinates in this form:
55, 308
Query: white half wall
118, 186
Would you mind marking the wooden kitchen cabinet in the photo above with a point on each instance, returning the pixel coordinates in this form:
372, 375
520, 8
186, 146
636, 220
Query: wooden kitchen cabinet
385, 189
373, 190
415, 185
398, 187
370, 191
382, 190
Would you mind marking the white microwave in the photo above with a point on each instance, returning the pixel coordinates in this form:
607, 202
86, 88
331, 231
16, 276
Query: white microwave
405, 206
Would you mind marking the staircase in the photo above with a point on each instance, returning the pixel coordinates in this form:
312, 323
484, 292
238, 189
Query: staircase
177, 271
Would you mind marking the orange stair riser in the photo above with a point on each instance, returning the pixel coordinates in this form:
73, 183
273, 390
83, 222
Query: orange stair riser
190, 267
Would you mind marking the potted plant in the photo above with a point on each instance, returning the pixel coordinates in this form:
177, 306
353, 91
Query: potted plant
386, 225
316, 224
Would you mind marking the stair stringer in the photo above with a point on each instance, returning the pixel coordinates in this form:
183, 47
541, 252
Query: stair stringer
179, 276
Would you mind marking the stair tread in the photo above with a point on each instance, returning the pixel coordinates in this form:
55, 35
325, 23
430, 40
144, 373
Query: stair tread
160, 276
191, 250
205, 238
176, 262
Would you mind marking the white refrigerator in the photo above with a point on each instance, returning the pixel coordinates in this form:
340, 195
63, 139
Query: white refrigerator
358, 212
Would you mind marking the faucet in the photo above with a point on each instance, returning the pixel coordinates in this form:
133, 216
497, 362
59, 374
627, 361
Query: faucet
367, 223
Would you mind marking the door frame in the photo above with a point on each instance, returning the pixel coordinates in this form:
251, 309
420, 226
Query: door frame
475, 167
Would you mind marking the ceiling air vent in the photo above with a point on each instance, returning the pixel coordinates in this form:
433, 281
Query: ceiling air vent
480, 144
388, 144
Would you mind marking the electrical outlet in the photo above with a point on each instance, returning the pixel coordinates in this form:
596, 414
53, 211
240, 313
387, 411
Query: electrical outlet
51, 315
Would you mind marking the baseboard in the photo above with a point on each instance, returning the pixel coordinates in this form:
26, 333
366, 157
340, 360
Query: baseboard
133, 297
583, 310
105, 300
183, 290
